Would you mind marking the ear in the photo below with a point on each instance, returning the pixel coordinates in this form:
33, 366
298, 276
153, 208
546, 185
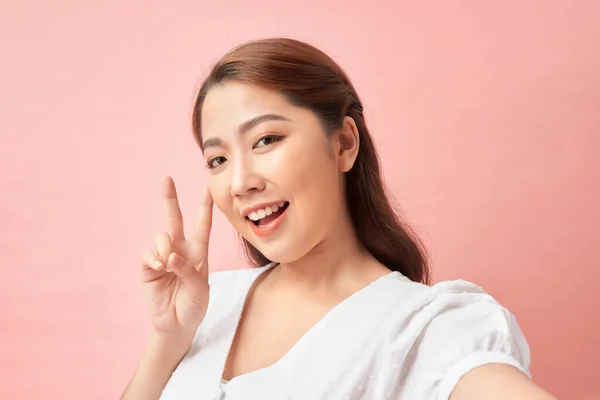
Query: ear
349, 141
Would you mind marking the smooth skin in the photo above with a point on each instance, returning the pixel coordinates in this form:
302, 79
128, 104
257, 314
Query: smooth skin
175, 284
321, 261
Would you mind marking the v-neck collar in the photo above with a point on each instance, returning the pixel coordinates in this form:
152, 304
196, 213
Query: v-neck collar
302, 342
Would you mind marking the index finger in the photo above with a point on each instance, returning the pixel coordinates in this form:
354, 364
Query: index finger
173, 211
204, 219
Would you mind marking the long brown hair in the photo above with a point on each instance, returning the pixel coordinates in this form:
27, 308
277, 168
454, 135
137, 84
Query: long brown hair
309, 78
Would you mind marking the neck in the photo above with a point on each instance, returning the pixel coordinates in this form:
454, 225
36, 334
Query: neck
340, 257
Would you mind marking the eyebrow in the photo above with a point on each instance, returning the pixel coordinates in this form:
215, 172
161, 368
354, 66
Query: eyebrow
245, 127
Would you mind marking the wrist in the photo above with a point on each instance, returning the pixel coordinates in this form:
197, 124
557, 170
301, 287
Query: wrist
162, 354
166, 343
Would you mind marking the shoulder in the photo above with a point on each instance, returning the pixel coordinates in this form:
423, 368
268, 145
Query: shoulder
457, 305
460, 307
453, 327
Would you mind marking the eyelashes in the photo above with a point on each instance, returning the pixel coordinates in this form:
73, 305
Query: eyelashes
210, 164
267, 140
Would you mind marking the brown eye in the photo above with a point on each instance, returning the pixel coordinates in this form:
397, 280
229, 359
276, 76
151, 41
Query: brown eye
267, 140
216, 161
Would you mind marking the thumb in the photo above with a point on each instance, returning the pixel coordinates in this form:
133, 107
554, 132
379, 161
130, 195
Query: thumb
192, 279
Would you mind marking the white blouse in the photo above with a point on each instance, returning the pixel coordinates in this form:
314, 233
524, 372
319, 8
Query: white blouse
394, 339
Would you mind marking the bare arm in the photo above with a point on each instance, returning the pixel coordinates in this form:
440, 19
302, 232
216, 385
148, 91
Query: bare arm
175, 282
159, 360
497, 382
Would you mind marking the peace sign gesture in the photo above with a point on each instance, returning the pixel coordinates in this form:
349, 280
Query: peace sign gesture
175, 274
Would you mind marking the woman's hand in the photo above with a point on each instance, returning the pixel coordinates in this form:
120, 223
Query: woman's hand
175, 274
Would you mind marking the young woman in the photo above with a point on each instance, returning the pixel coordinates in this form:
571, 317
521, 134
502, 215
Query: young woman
338, 305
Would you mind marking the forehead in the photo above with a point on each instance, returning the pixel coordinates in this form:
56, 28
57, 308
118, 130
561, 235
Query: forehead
230, 104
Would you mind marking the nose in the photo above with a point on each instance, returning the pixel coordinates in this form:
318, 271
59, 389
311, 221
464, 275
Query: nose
245, 178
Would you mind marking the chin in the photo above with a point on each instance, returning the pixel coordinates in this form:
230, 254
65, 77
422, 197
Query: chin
280, 251
284, 245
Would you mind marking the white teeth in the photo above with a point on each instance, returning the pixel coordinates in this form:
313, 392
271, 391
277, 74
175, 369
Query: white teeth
260, 214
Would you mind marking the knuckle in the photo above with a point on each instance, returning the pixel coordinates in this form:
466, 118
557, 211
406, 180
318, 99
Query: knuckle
173, 219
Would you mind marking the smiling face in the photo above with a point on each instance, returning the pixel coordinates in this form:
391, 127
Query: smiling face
274, 171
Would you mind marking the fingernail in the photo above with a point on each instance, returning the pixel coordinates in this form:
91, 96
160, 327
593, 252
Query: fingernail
177, 260
157, 264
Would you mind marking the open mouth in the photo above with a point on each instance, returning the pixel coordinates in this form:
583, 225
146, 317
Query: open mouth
268, 214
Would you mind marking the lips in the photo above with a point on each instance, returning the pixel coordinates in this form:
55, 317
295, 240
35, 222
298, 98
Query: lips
268, 224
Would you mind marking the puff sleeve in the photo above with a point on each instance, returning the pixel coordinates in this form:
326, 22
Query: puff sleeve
463, 328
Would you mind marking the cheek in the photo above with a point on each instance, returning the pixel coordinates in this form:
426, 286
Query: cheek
306, 163
318, 174
312, 179
220, 194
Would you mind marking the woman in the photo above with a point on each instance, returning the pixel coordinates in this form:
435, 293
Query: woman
338, 306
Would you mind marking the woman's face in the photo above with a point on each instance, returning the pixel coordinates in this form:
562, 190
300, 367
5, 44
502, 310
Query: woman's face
274, 171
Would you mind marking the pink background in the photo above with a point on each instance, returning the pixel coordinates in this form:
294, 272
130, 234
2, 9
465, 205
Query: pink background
487, 119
